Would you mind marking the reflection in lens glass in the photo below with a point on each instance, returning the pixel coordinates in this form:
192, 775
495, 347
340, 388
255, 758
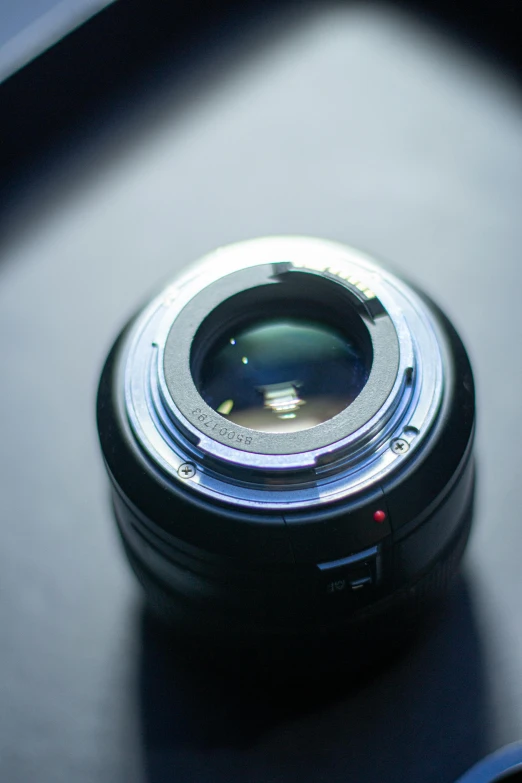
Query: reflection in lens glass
282, 375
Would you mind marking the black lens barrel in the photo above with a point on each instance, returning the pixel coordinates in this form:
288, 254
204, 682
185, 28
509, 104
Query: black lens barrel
241, 568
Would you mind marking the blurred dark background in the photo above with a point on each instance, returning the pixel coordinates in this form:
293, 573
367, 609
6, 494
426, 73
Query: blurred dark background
134, 138
58, 58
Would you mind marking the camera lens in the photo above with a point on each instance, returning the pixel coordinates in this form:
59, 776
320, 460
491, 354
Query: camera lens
288, 431
282, 374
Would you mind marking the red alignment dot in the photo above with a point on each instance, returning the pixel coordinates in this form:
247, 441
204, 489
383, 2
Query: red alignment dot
379, 516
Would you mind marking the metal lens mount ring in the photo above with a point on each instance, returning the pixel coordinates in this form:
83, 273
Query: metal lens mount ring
375, 435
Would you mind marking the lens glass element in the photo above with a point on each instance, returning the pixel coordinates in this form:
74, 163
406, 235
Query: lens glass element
282, 374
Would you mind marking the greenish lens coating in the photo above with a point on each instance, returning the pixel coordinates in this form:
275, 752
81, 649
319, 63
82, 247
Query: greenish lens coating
282, 374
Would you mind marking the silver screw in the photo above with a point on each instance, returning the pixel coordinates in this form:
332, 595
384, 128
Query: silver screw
399, 446
187, 470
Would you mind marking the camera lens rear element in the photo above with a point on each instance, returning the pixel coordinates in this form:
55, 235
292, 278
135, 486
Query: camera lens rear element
282, 375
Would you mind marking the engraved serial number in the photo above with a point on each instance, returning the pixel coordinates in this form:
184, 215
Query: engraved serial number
216, 428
